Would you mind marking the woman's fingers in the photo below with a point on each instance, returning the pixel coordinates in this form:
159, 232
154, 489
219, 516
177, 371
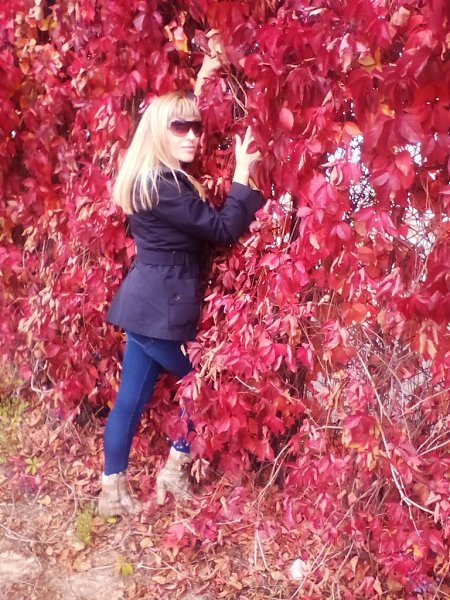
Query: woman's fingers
238, 143
254, 156
214, 43
248, 138
211, 63
242, 146
212, 32
248, 133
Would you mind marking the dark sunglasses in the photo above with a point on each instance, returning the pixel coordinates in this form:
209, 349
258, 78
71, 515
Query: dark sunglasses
181, 128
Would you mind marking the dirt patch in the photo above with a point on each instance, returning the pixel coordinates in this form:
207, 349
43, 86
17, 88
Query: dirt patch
16, 569
92, 585
53, 546
25, 576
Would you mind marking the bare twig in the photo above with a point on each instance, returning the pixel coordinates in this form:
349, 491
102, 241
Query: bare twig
436, 447
397, 478
14, 536
70, 488
261, 551
317, 562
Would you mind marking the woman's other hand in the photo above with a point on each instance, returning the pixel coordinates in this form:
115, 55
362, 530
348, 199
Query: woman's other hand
216, 57
213, 60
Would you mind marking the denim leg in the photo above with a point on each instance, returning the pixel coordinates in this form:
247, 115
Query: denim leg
169, 355
139, 375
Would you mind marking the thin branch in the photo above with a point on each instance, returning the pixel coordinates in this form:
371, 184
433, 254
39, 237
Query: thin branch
437, 446
398, 481
318, 562
261, 551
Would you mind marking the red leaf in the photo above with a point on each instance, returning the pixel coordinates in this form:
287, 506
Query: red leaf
286, 118
343, 231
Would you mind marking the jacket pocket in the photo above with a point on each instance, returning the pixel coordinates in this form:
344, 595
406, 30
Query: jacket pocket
184, 302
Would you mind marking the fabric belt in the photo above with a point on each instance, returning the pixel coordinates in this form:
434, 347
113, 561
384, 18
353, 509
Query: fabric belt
162, 257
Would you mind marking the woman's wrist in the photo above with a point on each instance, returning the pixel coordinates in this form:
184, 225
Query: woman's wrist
199, 82
208, 69
241, 175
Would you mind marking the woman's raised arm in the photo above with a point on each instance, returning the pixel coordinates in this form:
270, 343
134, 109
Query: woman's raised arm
212, 62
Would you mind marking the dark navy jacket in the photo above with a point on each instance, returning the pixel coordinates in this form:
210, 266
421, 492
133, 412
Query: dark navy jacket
160, 296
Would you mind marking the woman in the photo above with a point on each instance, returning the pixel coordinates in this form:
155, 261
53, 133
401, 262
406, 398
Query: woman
158, 303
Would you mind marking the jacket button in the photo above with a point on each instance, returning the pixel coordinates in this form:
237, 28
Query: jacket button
176, 297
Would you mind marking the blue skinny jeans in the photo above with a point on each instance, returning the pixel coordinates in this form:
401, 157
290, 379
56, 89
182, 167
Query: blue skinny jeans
143, 360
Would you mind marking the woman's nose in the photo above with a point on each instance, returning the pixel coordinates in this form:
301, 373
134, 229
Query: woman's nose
190, 135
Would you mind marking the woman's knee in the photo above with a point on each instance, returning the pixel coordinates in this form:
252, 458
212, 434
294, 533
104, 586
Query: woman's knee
171, 356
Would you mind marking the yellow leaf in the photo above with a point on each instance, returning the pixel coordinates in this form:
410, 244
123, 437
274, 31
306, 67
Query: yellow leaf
235, 583
351, 500
432, 351
400, 17
386, 110
352, 128
367, 60
422, 342
371, 62
126, 569
180, 40
81, 563
360, 227
313, 241
393, 584
371, 461
377, 587
381, 318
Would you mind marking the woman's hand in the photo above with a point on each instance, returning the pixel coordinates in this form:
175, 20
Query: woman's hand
212, 62
216, 57
243, 158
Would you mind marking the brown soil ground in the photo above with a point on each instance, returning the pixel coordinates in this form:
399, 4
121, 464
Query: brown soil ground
54, 547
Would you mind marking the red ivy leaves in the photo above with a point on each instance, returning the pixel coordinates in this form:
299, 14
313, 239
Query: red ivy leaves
323, 339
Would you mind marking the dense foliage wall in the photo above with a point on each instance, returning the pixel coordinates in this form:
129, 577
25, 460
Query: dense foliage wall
323, 347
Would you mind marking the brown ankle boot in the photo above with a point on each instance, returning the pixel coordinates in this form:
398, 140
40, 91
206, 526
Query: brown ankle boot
174, 477
115, 498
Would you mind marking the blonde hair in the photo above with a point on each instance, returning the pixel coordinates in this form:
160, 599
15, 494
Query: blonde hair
149, 153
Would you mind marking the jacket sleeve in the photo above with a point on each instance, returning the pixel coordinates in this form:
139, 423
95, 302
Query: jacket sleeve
184, 210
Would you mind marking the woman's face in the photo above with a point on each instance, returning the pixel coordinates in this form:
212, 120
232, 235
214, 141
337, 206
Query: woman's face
184, 136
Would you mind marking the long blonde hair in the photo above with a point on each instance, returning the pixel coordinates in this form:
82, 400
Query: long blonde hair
149, 153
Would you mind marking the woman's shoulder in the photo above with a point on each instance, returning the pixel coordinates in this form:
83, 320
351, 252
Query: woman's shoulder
161, 185
166, 173
163, 174
167, 176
